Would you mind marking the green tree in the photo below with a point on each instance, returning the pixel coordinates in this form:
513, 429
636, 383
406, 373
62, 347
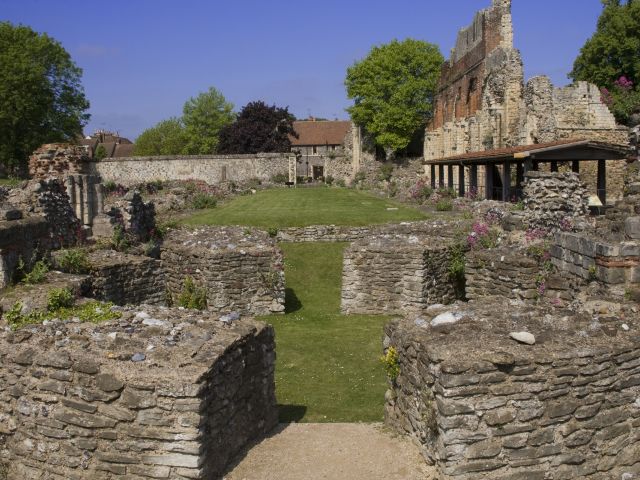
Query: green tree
41, 98
203, 117
611, 57
168, 137
101, 152
393, 90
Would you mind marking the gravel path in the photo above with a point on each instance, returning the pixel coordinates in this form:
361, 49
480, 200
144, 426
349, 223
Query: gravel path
332, 451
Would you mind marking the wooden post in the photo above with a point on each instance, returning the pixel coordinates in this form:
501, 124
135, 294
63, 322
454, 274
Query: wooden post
575, 166
488, 181
433, 176
519, 179
506, 181
602, 181
473, 179
554, 166
449, 176
461, 191
441, 176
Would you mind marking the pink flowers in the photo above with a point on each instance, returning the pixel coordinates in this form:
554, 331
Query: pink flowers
534, 234
624, 83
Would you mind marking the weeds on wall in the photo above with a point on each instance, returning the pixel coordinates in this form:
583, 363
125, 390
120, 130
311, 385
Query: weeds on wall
37, 274
192, 295
391, 363
60, 298
74, 260
93, 312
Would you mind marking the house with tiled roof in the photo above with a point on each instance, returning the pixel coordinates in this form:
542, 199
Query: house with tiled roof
318, 140
113, 144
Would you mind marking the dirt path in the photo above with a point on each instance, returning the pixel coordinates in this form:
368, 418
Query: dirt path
332, 451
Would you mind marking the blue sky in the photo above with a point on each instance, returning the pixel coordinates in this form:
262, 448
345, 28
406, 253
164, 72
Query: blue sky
143, 58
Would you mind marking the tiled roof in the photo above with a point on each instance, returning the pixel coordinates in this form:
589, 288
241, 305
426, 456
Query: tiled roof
123, 150
510, 152
320, 132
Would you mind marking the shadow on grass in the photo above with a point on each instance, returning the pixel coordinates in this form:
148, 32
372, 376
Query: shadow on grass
291, 301
291, 413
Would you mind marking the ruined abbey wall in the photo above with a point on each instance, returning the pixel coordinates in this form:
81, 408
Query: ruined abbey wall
483, 102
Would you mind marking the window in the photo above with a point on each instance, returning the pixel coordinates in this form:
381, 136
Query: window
314, 149
473, 85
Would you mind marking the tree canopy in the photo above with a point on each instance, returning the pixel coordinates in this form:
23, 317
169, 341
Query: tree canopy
41, 97
258, 128
393, 90
168, 137
611, 57
203, 118
195, 133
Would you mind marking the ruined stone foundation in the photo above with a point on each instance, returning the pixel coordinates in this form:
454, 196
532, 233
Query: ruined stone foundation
160, 393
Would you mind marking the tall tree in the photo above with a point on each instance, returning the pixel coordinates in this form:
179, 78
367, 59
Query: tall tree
203, 117
41, 98
258, 128
393, 90
168, 137
611, 57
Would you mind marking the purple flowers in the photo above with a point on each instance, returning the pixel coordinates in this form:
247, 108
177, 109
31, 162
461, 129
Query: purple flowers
534, 234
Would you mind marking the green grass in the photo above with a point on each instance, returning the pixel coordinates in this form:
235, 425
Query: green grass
298, 207
10, 182
328, 365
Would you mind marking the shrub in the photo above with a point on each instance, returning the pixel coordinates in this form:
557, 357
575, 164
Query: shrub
386, 172
340, 183
74, 260
254, 183
60, 298
457, 263
359, 177
328, 180
38, 273
280, 177
200, 201
192, 296
272, 231
444, 205
393, 189
120, 241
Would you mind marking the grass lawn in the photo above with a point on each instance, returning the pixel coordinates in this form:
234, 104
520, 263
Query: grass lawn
10, 182
297, 207
327, 367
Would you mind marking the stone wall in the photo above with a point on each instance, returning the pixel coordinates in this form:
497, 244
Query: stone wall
483, 102
483, 405
512, 274
126, 279
49, 199
241, 269
591, 258
340, 233
551, 198
120, 400
396, 274
212, 169
24, 239
58, 160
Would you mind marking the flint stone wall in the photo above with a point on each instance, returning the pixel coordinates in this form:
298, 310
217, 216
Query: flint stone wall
396, 274
551, 197
75, 406
126, 279
340, 233
486, 407
241, 269
212, 169
593, 259
512, 274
